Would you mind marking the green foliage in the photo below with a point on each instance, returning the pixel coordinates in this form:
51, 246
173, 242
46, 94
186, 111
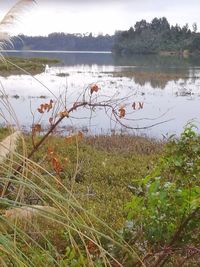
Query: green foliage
155, 37
165, 200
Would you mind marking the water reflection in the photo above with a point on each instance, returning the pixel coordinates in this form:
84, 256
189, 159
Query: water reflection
162, 83
158, 62
153, 69
158, 70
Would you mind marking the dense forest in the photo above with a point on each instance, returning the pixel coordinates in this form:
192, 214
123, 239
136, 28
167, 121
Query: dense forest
62, 41
157, 36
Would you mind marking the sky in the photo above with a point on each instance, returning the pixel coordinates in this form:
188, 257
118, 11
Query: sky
98, 16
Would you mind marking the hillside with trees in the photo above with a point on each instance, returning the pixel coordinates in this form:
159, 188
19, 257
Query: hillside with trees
156, 37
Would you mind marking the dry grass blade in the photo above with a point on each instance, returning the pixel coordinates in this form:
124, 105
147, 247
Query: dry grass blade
13, 14
10, 19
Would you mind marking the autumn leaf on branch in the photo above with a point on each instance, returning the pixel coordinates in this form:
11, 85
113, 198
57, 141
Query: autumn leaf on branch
55, 161
45, 107
63, 114
57, 165
122, 112
36, 128
94, 88
40, 110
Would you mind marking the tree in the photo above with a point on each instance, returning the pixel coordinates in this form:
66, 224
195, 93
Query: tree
141, 25
194, 27
154, 37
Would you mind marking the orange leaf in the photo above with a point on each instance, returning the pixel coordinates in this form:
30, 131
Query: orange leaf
46, 105
122, 112
50, 151
64, 114
36, 128
94, 88
56, 165
40, 110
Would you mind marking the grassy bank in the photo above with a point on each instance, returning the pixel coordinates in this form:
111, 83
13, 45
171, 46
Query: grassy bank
114, 200
31, 65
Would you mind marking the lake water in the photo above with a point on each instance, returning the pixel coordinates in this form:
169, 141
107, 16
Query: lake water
165, 89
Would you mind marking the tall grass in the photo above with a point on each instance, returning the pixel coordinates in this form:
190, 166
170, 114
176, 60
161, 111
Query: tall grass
59, 222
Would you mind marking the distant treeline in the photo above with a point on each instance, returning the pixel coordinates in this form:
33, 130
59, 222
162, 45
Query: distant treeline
144, 38
62, 41
157, 36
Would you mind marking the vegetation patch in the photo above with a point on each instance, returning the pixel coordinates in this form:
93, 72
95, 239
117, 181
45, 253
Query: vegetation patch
136, 194
14, 65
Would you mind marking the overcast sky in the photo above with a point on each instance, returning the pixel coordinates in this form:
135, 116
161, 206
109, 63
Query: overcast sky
99, 16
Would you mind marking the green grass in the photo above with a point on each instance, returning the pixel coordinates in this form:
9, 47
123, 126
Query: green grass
100, 169
31, 65
96, 185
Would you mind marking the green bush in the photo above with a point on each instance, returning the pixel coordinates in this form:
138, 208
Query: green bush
164, 211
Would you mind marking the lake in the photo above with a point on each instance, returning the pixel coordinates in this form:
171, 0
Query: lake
153, 90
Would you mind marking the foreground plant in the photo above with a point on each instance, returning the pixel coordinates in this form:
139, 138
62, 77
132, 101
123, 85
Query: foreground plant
164, 214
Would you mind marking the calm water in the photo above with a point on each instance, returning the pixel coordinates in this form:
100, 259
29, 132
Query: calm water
167, 87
